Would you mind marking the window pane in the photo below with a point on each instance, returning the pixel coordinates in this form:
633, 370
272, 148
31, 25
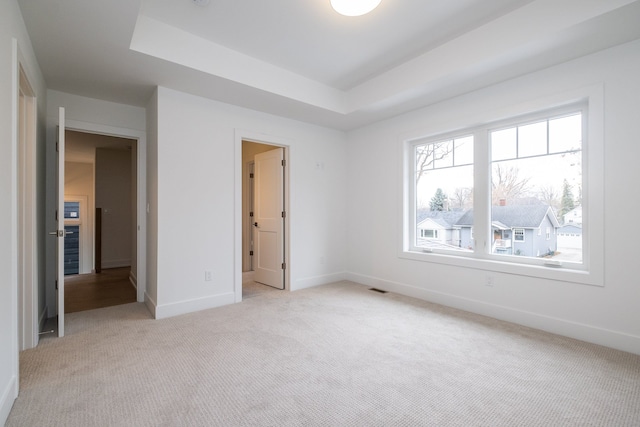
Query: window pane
71, 249
424, 159
535, 189
565, 134
532, 139
444, 195
464, 151
72, 210
503, 144
443, 154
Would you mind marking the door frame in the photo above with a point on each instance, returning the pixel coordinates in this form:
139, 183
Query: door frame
247, 198
141, 189
29, 320
285, 144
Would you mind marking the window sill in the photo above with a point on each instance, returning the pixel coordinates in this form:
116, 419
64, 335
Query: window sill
550, 272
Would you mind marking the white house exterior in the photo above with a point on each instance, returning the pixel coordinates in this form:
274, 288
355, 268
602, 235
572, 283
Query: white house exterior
574, 216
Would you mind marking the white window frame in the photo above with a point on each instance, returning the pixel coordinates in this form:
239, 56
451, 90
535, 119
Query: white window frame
590, 101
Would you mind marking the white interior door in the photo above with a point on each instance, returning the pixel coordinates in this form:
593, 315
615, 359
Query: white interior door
60, 223
269, 218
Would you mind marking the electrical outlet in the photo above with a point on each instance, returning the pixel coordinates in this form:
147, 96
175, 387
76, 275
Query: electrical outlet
489, 281
207, 276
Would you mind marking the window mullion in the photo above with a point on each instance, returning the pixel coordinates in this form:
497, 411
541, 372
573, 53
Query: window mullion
482, 193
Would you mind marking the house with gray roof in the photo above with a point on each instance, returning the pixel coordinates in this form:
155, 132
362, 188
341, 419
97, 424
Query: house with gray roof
527, 230
438, 229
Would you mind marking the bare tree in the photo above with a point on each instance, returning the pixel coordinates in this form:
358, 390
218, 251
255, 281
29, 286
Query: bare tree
550, 196
507, 185
427, 154
462, 198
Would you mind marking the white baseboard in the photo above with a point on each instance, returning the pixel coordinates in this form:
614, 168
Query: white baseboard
9, 395
309, 282
579, 331
43, 318
190, 306
116, 263
151, 304
133, 279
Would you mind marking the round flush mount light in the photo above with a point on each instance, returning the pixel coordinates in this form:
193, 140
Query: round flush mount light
201, 2
354, 7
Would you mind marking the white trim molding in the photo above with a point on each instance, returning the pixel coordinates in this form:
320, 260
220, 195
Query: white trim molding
555, 325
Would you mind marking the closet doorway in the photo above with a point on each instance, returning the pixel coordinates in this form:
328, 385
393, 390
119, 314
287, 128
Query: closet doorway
264, 216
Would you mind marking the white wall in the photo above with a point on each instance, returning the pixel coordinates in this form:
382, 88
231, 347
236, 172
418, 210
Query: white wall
113, 195
93, 116
606, 315
151, 295
78, 179
12, 28
198, 164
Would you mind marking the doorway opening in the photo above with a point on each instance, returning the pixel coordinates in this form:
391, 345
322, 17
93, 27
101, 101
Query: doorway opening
100, 243
264, 218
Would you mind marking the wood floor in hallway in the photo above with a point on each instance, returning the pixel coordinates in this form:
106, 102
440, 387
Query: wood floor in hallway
97, 290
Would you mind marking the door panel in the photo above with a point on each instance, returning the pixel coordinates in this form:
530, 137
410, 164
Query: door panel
269, 221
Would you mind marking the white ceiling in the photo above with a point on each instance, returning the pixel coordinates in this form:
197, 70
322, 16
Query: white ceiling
300, 59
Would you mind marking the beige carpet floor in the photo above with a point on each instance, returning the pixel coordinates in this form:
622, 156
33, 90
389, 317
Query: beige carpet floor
335, 355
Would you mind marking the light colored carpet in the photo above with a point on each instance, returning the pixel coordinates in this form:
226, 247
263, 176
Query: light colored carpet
336, 355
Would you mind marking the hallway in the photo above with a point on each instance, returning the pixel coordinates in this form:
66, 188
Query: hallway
90, 291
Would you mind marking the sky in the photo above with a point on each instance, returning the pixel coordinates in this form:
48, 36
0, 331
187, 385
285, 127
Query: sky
527, 152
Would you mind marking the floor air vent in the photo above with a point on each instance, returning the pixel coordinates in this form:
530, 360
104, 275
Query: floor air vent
378, 290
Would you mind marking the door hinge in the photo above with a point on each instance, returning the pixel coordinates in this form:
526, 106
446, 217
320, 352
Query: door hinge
284, 163
284, 265
251, 214
251, 175
284, 214
57, 146
56, 284
250, 253
56, 214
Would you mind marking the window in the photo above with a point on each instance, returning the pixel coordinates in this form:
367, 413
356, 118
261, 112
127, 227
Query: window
518, 234
499, 185
443, 171
429, 234
537, 179
72, 238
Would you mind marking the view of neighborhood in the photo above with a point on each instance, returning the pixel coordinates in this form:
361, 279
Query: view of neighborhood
526, 230
536, 191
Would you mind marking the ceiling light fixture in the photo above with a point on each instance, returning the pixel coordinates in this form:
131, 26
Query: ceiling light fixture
201, 2
354, 7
